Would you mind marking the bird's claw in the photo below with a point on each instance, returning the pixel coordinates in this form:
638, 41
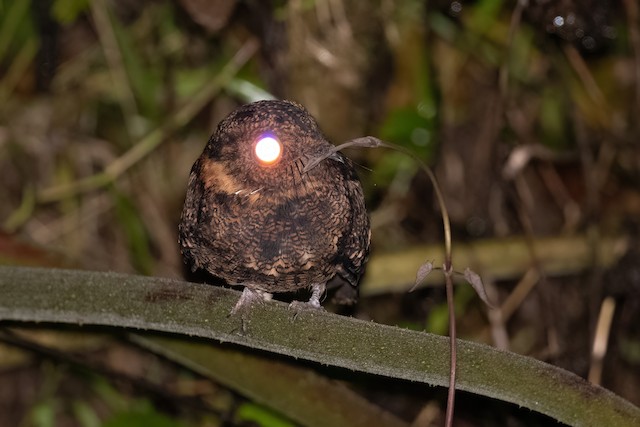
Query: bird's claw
245, 302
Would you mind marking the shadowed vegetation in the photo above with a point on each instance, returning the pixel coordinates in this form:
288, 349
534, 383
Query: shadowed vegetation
527, 112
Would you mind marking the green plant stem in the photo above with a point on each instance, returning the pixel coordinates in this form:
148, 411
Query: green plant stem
18, 68
191, 310
499, 259
296, 391
448, 272
453, 348
15, 15
153, 139
113, 55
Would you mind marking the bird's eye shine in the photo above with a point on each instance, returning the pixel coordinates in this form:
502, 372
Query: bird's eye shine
268, 150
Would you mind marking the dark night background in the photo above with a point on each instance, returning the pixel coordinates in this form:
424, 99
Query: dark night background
528, 112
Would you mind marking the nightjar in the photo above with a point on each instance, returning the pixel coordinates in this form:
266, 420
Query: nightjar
253, 216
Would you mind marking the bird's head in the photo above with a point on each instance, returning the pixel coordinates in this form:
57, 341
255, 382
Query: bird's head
264, 145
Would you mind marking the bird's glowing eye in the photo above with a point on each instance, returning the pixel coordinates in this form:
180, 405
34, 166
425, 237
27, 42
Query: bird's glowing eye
268, 150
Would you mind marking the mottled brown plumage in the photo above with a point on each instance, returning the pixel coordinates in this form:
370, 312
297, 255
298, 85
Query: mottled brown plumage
273, 228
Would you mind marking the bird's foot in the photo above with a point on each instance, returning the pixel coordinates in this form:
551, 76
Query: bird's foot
317, 291
248, 298
246, 301
298, 306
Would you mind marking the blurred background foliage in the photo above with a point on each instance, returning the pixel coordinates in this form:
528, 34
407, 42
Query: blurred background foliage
527, 111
